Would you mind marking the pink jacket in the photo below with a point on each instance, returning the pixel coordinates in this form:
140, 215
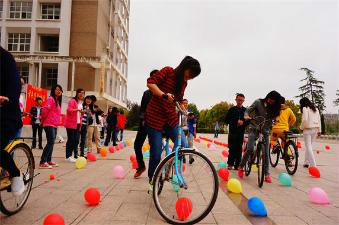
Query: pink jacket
51, 113
71, 115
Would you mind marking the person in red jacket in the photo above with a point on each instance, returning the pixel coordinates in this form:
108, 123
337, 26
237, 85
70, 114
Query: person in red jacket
121, 124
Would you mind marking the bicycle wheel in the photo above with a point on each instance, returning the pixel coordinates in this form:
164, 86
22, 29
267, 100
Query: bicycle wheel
248, 165
201, 189
24, 160
260, 164
274, 155
291, 156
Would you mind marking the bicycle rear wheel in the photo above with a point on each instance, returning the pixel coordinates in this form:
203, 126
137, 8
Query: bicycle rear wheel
24, 160
274, 155
291, 156
260, 161
201, 190
248, 165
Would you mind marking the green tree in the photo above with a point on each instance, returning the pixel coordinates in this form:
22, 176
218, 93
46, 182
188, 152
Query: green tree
336, 101
296, 110
194, 109
313, 89
132, 115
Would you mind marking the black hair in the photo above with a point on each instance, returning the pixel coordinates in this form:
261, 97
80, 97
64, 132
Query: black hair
187, 63
153, 72
87, 97
94, 99
305, 102
240, 95
57, 101
122, 111
37, 99
185, 100
274, 110
78, 91
283, 100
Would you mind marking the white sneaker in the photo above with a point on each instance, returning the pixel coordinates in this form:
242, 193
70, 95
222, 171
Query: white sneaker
70, 159
18, 186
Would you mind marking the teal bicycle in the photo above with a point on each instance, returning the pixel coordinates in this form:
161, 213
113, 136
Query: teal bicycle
174, 180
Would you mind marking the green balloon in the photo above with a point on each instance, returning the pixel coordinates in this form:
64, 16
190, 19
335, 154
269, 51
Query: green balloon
221, 165
285, 179
175, 183
146, 154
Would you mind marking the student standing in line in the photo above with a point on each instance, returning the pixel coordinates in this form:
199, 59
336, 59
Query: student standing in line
112, 119
93, 124
35, 114
84, 124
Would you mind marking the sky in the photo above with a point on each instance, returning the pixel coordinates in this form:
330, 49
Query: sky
250, 46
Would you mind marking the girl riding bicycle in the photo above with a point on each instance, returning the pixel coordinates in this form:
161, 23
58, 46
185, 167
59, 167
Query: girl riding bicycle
166, 85
261, 110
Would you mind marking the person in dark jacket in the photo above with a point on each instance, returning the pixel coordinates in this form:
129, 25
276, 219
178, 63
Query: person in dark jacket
112, 119
83, 131
35, 114
142, 131
10, 117
236, 122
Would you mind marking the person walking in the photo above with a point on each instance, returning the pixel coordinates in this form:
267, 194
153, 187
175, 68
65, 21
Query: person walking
93, 126
72, 125
216, 130
84, 124
112, 119
35, 114
142, 131
167, 85
50, 120
236, 122
311, 128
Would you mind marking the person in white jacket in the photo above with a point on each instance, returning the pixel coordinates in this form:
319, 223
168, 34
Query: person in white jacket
311, 128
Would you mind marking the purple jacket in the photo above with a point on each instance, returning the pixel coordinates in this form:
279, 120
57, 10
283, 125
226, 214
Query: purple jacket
51, 113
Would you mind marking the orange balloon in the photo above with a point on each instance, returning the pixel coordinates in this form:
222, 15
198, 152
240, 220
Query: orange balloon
103, 152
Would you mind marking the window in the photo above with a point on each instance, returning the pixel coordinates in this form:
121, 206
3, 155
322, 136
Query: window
50, 11
19, 42
52, 77
20, 10
49, 43
23, 70
1, 8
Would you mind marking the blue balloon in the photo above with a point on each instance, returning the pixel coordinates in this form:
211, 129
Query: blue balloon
285, 179
221, 165
256, 207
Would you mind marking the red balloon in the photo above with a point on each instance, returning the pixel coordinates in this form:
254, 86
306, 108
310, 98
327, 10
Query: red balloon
91, 157
327, 147
208, 145
117, 148
183, 168
135, 164
111, 149
314, 172
224, 153
184, 208
298, 144
132, 158
223, 173
92, 196
54, 219
51, 177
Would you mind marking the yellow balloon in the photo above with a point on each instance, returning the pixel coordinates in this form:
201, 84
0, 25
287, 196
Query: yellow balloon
254, 167
80, 163
234, 185
289, 151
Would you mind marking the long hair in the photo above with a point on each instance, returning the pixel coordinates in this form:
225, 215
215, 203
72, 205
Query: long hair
274, 110
187, 63
78, 91
305, 102
57, 101
84, 103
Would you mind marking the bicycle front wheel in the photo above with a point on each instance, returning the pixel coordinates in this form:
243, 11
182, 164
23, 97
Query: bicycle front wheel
24, 160
185, 204
261, 164
291, 157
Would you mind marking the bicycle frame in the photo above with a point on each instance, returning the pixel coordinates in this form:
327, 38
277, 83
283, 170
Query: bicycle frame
178, 147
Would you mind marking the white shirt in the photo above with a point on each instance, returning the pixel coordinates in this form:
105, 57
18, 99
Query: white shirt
79, 114
38, 110
310, 119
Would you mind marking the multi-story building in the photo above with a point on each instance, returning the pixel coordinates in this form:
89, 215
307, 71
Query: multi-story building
75, 43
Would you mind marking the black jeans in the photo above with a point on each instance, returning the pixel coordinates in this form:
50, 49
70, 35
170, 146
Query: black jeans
138, 143
235, 142
216, 133
51, 133
72, 143
35, 128
83, 134
110, 136
6, 159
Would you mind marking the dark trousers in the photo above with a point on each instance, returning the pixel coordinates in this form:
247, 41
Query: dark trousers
6, 159
235, 142
138, 143
155, 140
35, 128
216, 133
72, 143
51, 133
111, 136
83, 134
102, 133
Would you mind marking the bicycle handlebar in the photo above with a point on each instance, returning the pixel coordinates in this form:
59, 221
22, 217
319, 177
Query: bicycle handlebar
180, 109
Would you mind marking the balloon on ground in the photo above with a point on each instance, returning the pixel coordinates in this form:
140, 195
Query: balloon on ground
285, 179
223, 173
184, 207
91, 157
256, 207
221, 165
54, 219
118, 172
314, 172
92, 196
234, 185
318, 196
80, 163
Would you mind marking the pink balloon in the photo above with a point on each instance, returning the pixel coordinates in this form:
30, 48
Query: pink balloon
318, 196
212, 147
118, 172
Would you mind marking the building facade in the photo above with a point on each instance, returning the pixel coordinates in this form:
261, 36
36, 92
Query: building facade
75, 43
